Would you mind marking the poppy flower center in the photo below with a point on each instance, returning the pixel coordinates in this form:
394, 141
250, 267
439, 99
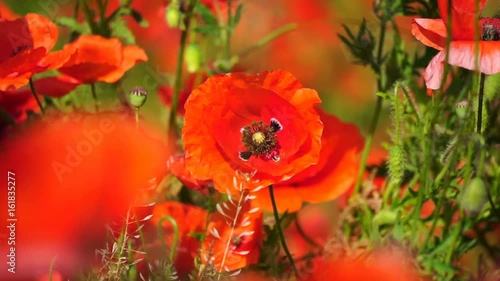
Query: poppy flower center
260, 140
490, 29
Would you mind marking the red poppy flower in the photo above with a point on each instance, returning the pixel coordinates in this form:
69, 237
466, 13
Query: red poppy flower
177, 166
27, 42
101, 59
78, 174
382, 266
17, 103
432, 32
189, 219
263, 124
334, 174
233, 237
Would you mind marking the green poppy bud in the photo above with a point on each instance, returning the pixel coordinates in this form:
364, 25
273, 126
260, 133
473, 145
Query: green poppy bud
192, 57
474, 196
173, 16
137, 96
385, 217
461, 109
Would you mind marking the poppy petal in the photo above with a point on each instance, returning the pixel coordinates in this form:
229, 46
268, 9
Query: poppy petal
463, 13
131, 56
431, 32
462, 54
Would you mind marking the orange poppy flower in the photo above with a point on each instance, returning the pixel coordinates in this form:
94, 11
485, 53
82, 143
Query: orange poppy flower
233, 237
6, 13
101, 59
263, 124
27, 42
432, 32
334, 174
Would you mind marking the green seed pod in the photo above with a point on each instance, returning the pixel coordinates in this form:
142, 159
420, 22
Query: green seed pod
137, 96
173, 16
461, 109
474, 196
396, 164
192, 57
385, 217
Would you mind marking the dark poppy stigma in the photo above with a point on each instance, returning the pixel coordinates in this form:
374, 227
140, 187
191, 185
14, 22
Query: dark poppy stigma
261, 141
490, 29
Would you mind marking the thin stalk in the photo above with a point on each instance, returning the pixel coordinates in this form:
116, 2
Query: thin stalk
137, 118
178, 69
480, 98
161, 235
304, 235
33, 91
94, 96
376, 114
270, 37
368, 144
280, 231
229, 30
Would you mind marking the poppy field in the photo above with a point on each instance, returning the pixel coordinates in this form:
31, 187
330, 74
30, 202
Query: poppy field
250, 140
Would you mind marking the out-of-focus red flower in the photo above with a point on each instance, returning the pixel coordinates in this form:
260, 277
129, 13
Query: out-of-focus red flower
177, 166
101, 59
189, 219
432, 32
233, 237
6, 13
382, 266
334, 174
263, 124
25, 51
73, 175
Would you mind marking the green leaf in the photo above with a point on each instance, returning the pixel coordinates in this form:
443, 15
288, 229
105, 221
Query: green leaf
205, 13
237, 16
73, 25
119, 29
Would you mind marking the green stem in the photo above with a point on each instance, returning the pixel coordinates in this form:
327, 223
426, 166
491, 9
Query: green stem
480, 103
229, 30
456, 238
280, 231
377, 67
368, 145
270, 37
178, 69
176, 235
136, 118
94, 96
33, 91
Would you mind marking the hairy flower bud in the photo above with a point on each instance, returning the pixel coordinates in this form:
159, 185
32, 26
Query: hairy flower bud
473, 197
